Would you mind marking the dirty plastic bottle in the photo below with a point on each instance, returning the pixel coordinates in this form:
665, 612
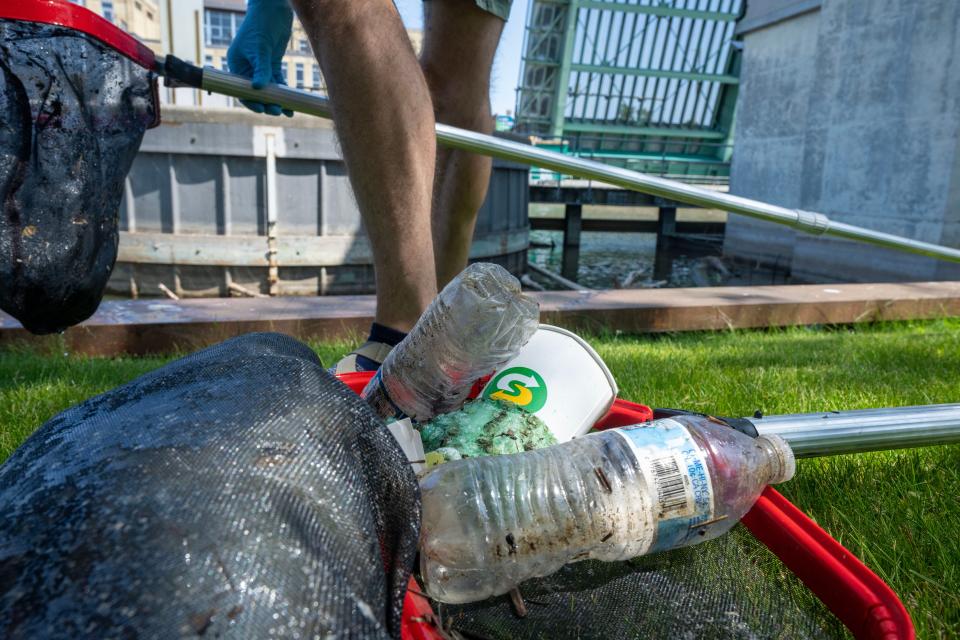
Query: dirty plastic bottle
479, 321
490, 523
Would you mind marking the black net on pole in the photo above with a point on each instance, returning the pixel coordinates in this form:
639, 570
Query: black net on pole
732, 587
239, 492
72, 114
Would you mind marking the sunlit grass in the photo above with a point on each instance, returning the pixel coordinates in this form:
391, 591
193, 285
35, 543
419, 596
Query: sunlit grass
898, 511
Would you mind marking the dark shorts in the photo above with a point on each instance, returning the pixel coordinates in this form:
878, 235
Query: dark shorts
499, 8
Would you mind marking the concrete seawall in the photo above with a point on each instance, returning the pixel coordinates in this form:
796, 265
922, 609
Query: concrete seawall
851, 109
195, 214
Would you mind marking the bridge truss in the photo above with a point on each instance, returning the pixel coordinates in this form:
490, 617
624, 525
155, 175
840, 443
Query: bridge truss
646, 84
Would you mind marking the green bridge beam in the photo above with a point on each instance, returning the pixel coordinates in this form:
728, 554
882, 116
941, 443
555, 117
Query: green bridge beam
665, 132
656, 73
563, 78
658, 11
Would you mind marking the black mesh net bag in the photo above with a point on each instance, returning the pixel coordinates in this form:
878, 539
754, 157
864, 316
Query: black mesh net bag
239, 492
72, 115
732, 587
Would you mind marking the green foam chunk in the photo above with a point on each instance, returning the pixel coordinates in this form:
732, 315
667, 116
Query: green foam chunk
486, 427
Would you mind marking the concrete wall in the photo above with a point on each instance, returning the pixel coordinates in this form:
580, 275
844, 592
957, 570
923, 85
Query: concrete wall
852, 110
763, 13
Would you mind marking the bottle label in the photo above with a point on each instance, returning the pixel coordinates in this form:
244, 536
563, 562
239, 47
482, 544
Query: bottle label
377, 396
681, 490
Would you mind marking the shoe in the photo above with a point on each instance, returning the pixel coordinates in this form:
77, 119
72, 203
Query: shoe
367, 357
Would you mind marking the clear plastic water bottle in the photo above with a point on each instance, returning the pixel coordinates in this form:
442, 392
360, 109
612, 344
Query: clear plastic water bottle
479, 321
490, 523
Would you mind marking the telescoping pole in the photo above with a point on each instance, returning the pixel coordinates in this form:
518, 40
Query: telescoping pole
835, 432
806, 221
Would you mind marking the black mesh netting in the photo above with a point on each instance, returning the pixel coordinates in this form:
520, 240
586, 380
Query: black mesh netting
241, 491
731, 587
72, 114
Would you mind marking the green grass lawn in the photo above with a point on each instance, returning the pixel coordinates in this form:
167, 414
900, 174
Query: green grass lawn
898, 511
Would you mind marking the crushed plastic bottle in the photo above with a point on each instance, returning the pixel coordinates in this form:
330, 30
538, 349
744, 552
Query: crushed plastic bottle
490, 523
479, 321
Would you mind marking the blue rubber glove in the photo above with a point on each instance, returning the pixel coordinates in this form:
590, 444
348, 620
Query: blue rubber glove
258, 47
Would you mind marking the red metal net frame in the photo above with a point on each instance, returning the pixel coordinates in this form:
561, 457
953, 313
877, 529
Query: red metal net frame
863, 602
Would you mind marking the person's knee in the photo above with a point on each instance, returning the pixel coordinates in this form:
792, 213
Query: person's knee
459, 99
346, 23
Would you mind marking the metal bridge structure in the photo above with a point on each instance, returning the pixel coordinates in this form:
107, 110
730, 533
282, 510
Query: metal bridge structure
648, 85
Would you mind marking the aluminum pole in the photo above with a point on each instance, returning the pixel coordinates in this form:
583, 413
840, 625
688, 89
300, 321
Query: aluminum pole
837, 432
806, 221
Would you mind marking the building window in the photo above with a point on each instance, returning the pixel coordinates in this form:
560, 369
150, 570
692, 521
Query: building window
299, 75
283, 71
219, 27
223, 64
304, 46
316, 77
208, 61
107, 9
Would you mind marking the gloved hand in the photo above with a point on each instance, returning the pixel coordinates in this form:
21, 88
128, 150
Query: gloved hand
258, 47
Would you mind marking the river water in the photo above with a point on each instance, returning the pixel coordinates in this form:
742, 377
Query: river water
614, 260
610, 260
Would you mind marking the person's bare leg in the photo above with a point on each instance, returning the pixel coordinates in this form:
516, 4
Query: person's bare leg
459, 44
385, 125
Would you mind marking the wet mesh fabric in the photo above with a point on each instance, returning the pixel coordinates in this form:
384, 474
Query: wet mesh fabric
732, 587
240, 492
72, 115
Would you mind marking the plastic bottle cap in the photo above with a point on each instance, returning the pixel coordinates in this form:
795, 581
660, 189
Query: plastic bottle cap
784, 456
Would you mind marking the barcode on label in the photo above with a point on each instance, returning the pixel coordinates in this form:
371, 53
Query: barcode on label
671, 493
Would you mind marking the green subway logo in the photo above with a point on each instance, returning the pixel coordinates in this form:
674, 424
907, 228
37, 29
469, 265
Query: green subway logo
521, 386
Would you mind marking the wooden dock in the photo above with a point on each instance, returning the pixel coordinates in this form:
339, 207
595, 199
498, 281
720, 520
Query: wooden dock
162, 326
